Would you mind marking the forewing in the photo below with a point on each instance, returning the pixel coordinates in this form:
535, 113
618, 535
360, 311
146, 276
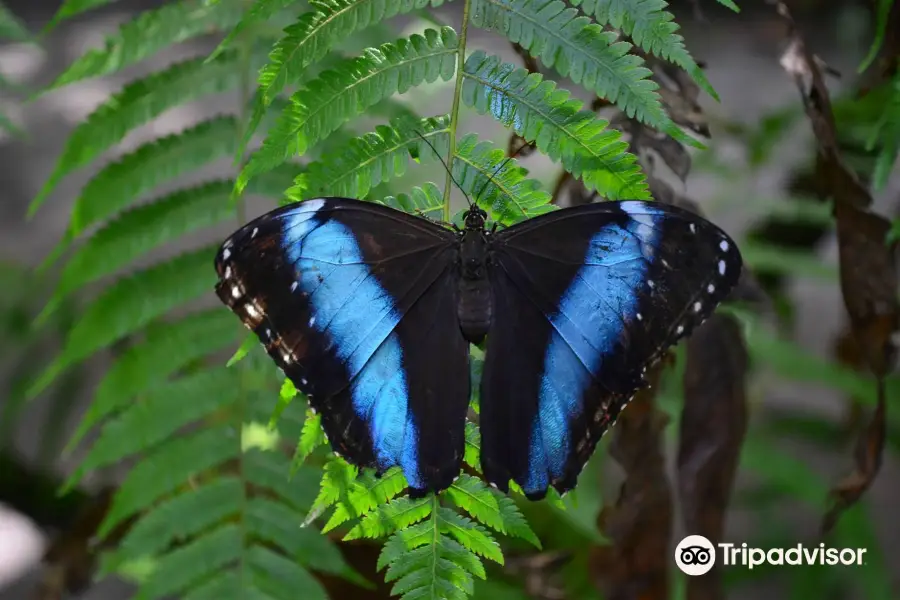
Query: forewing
339, 292
586, 299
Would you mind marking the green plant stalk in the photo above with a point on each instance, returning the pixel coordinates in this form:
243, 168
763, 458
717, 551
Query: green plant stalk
454, 112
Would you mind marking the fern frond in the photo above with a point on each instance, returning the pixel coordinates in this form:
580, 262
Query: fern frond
325, 103
371, 159
166, 347
260, 11
539, 112
71, 8
136, 104
130, 303
316, 33
179, 518
139, 230
311, 437
150, 32
158, 415
507, 196
169, 466
471, 535
576, 48
426, 560
149, 166
651, 27
472, 452
426, 201
496, 510
385, 519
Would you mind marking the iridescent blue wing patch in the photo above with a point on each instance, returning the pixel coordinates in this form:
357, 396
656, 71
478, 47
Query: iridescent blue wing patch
356, 303
585, 300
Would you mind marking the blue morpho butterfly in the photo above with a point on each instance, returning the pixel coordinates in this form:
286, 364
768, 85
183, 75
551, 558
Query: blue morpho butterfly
370, 312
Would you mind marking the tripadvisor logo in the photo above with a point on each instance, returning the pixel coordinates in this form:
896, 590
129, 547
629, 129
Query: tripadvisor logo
696, 555
744, 555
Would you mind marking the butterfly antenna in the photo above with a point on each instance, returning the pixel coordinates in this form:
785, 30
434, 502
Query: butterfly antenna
443, 162
490, 178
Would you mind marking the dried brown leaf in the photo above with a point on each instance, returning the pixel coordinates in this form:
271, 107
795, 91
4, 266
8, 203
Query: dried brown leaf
713, 426
636, 564
867, 262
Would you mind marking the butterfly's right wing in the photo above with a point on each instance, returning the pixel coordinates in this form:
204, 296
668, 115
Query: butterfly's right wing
356, 303
585, 299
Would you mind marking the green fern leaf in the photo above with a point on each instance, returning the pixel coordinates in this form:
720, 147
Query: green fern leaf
470, 534
316, 33
651, 27
151, 165
70, 8
325, 103
150, 32
371, 159
311, 437
138, 231
472, 455
160, 414
729, 4
130, 303
269, 470
259, 12
385, 519
576, 48
365, 494
179, 518
191, 563
505, 193
426, 563
279, 577
166, 347
539, 112
426, 201
166, 468
275, 523
494, 509
138, 103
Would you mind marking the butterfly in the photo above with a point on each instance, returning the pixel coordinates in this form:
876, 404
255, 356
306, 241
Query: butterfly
370, 312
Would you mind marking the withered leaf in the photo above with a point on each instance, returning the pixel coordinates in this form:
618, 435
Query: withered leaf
867, 263
637, 563
713, 426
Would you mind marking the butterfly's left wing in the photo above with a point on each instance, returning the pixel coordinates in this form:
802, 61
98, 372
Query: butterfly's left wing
585, 299
356, 302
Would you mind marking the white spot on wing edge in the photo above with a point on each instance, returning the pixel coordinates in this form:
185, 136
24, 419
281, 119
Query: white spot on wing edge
724, 245
697, 306
254, 232
294, 286
721, 267
226, 253
710, 288
679, 330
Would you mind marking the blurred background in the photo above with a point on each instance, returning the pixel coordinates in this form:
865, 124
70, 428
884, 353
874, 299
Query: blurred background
758, 180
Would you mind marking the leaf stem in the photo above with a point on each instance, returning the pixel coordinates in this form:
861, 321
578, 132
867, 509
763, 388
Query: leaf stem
454, 112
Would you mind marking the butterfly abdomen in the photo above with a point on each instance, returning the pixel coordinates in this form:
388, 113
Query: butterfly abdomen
474, 308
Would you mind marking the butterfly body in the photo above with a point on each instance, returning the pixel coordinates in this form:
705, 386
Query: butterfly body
370, 312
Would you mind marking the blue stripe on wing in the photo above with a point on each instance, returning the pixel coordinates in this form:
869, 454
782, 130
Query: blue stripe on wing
357, 315
591, 318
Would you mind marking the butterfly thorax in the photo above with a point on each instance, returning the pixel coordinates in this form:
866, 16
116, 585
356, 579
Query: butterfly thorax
474, 306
